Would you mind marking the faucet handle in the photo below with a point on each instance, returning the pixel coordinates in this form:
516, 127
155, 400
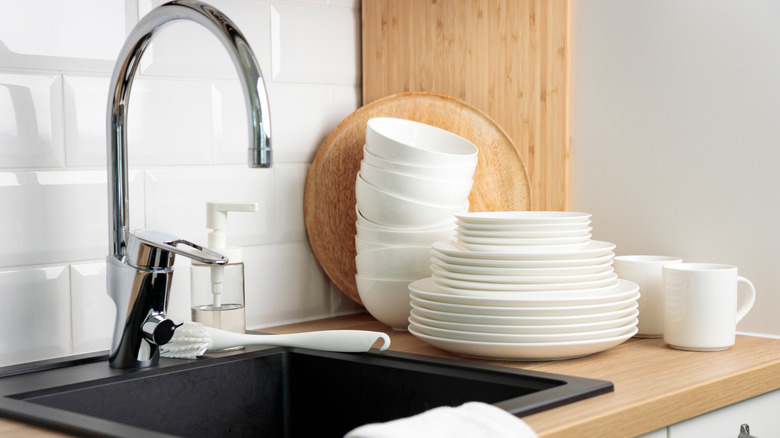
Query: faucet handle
159, 330
150, 249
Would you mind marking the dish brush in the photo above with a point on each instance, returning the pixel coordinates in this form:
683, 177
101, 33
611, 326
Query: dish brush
193, 339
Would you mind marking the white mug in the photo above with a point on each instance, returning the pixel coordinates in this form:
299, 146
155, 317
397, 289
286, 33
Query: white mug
700, 305
647, 272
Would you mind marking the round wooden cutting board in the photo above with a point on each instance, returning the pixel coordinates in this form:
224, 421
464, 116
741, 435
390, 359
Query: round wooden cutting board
500, 180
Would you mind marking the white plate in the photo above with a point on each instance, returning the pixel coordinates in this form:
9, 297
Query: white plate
469, 288
426, 288
478, 311
522, 217
524, 264
594, 248
522, 279
524, 351
544, 234
518, 272
521, 249
533, 338
501, 242
526, 320
524, 228
420, 316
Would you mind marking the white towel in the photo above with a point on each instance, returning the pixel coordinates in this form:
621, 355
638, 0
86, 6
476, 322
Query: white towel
470, 420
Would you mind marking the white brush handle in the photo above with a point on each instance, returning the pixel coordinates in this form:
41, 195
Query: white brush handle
350, 341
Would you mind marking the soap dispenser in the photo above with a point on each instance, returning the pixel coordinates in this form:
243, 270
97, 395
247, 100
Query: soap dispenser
218, 291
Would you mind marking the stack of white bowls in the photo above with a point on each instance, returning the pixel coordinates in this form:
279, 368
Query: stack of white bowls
523, 286
413, 178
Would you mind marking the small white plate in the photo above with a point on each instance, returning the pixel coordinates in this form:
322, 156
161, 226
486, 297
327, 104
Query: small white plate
522, 279
524, 264
526, 320
525, 228
524, 351
504, 234
522, 217
420, 315
427, 288
479, 311
594, 248
518, 272
532, 338
500, 242
591, 288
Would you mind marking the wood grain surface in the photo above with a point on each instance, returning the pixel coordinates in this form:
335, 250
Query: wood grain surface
655, 386
500, 179
509, 58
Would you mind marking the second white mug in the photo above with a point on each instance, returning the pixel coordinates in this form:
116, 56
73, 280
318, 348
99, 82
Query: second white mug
701, 308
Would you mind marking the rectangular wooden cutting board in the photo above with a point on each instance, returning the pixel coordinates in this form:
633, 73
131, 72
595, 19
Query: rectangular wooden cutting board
509, 58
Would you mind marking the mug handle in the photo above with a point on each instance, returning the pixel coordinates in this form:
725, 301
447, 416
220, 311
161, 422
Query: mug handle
750, 299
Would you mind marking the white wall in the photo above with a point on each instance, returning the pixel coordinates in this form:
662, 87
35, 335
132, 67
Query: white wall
675, 133
188, 139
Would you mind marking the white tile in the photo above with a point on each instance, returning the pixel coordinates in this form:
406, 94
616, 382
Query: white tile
342, 101
354, 4
35, 315
176, 202
57, 216
299, 121
85, 100
231, 123
283, 284
290, 182
31, 121
81, 35
340, 304
315, 44
92, 309
169, 122
187, 49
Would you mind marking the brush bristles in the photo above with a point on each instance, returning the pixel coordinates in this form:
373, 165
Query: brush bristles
189, 341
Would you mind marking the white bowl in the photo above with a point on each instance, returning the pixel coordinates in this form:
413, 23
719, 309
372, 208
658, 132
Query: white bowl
363, 245
450, 173
394, 263
408, 141
361, 220
431, 190
398, 236
395, 211
386, 300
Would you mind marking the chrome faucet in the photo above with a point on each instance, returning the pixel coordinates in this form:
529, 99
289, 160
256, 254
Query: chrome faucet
139, 266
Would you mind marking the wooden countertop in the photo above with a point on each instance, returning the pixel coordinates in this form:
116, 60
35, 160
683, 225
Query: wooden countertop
655, 386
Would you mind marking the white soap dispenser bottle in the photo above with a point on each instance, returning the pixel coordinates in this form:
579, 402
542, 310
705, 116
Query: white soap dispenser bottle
218, 291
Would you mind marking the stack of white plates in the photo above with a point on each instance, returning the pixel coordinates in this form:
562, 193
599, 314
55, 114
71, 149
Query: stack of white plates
523, 286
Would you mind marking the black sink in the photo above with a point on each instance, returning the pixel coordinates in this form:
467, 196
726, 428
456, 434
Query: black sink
271, 392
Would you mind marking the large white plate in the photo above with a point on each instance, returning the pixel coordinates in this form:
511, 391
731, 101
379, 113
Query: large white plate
524, 264
541, 234
428, 318
427, 288
511, 242
545, 292
534, 320
516, 272
594, 248
515, 338
478, 311
522, 217
524, 351
525, 228
523, 279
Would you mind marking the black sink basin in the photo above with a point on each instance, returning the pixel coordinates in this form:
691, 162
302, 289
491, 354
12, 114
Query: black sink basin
272, 392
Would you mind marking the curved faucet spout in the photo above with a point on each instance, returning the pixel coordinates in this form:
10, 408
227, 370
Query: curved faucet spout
122, 79
139, 264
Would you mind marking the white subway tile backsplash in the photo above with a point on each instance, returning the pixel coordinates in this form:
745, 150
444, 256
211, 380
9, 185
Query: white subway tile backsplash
85, 100
57, 35
186, 49
230, 123
56, 216
315, 44
284, 285
169, 122
35, 315
176, 202
299, 121
93, 311
31, 121
290, 182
